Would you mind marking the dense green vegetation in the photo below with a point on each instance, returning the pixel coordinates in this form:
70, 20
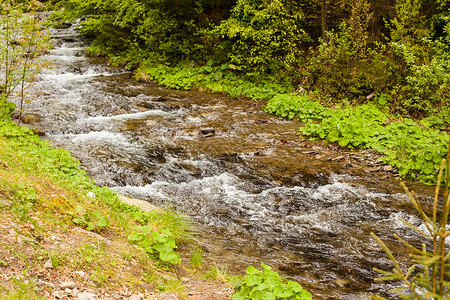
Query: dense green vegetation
23, 148
414, 148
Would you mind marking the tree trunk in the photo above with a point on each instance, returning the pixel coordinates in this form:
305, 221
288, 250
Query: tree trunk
323, 6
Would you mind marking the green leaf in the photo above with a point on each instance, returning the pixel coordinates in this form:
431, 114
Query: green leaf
305, 295
333, 136
166, 231
134, 236
343, 141
269, 296
428, 168
252, 280
91, 226
170, 256
281, 292
252, 270
295, 286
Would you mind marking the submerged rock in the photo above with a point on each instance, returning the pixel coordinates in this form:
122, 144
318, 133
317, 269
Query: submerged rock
206, 131
29, 118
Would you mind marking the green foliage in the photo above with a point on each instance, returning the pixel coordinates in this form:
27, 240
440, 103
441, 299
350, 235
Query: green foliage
294, 106
219, 79
426, 276
196, 257
158, 242
267, 284
56, 161
92, 220
156, 29
414, 150
159, 232
22, 40
24, 194
418, 59
23, 197
266, 36
23, 290
347, 65
351, 127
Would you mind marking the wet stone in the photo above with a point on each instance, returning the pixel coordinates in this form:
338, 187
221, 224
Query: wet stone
388, 169
160, 99
27, 119
136, 297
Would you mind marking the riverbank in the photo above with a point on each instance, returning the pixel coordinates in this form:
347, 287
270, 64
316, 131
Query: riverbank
63, 237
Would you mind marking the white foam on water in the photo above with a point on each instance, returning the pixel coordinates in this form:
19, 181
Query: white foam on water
195, 120
65, 58
65, 77
312, 220
117, 140
332, 191
224, 189
66, 51
123, 117
150, 190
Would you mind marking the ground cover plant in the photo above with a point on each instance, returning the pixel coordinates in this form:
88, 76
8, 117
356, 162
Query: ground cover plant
267, 284
219, 79
413, 148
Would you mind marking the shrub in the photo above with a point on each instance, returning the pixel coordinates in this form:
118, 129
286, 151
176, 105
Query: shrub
266, 36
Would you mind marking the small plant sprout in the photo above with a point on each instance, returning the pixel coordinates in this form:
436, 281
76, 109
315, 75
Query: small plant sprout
196, 257
427, 275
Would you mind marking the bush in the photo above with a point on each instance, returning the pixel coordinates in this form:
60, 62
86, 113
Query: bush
266, 36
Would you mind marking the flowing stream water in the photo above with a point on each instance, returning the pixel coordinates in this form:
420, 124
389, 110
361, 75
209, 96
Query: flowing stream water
255, 193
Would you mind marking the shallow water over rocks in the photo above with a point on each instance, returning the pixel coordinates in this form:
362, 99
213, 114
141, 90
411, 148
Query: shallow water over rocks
257, 192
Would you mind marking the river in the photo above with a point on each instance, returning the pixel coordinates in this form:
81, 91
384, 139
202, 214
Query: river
256, 192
